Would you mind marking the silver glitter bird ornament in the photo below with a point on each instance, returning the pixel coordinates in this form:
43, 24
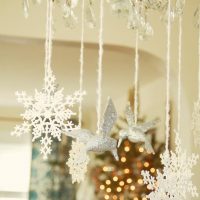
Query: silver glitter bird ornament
136, 132
100, 142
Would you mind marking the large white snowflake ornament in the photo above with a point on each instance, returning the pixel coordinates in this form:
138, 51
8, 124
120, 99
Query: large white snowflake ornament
175, 182
47, 114
78, 161
196, 123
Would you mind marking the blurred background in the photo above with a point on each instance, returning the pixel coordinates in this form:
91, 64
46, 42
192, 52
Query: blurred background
23, 174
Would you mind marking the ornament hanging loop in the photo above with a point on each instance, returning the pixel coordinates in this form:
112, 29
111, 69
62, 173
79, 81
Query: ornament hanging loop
198, 26
81, 59
48, 42
167, 123
136, 78
100, 66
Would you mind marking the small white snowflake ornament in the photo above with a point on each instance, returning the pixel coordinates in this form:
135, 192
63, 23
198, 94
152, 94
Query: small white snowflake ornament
136, 132
175, 182
47, 114
78, 161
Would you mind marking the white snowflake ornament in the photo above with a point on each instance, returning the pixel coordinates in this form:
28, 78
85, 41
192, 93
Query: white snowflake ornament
175, 182
47, 114
136, 132
78, 161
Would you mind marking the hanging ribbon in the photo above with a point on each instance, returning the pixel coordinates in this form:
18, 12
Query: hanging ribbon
49, 38
136, 78
179, 73
199, 51
136, 68
99, 70
81, 60
167, 123
26, 8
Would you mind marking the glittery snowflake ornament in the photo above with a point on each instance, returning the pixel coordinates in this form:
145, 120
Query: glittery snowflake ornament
100, 142
175, 181
48, 113
136, 132
78, 161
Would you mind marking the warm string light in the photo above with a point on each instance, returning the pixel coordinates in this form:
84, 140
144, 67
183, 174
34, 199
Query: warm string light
126, 148
127, 171
140, 181
102, 187
167, 123
119, 189
108, 182
141, 149
106, 196
152, 170
129, 180
81, 59
146, 164
115, 178
123, 159
121, 181
114, 197
100, 63
132, 187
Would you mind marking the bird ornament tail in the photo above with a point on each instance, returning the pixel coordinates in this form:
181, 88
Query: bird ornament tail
148, 146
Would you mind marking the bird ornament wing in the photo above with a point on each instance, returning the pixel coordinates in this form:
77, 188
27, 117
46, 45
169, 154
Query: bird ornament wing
82, 135
149, 125
129, 115
109, 118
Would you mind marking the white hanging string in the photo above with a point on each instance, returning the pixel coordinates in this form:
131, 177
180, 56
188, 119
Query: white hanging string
81, 60
179, 74
167, 123
136, 78
99, 70
26, 8
199, 51
49, 36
